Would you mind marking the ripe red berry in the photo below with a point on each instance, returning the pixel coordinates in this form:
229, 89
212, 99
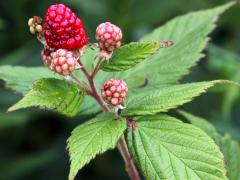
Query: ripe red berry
109, 36
63, 62
63, 29
114, 91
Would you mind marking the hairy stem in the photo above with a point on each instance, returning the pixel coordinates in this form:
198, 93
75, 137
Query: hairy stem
122, 145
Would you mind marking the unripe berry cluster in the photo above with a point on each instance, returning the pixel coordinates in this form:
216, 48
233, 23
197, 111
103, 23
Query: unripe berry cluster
63, 62
35, 25
114, 91
108, 36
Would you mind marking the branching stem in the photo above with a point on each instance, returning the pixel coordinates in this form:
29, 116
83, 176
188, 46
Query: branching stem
122, 145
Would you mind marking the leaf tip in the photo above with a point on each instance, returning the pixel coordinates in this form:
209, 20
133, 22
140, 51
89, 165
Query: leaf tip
10, 109
227, 82
70, 177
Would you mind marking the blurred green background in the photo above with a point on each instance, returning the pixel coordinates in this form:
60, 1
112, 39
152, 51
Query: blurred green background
32, 142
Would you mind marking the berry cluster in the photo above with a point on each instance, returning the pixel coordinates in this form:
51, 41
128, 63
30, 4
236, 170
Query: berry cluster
63, 36
35, 25
63, 29
63, 62
109, 36
114, 91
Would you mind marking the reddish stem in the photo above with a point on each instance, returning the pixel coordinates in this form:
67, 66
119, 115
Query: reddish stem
122, 145
130, 167
96, 68
94, 93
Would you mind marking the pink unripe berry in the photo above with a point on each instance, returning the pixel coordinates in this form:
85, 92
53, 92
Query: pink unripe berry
108, 36
114, 91
63, 62
46, 56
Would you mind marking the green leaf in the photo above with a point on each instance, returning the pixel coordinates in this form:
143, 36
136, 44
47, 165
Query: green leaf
229, 147
91, 138
165, 99
88, 58
231, 150
189, 32
20, 78
222, 61
129, 55
202, 124
165, 148
226, 64
54, 94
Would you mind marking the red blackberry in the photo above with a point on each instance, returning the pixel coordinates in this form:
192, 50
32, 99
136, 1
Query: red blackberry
63, 29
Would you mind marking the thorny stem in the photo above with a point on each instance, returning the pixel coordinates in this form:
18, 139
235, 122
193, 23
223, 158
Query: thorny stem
122, 145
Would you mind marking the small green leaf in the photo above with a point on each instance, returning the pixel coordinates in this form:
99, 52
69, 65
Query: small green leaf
228, 146
20, 78
129, 55
91, 138
165, 99
165, 148
54, 94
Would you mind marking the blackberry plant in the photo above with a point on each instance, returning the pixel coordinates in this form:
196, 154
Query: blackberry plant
129, 89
